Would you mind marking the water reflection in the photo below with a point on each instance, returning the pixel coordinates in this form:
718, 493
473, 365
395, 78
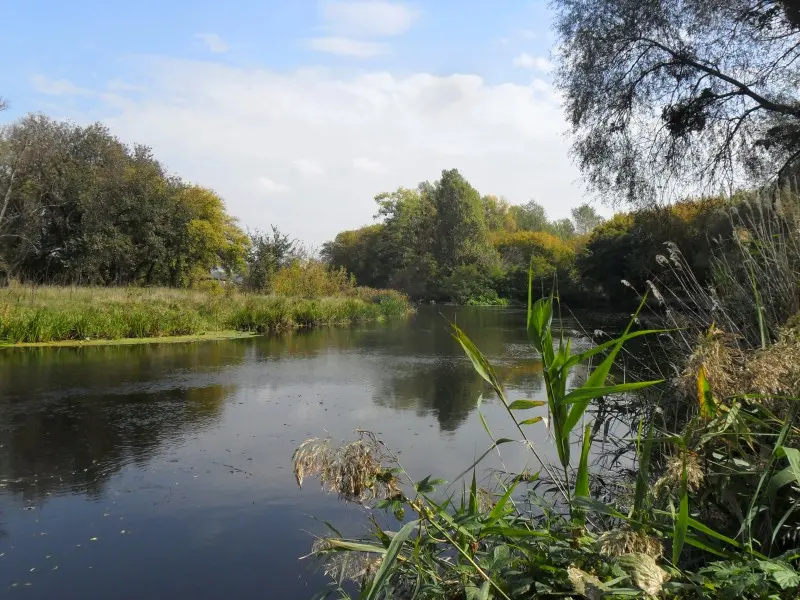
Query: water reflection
70, 419
188, 446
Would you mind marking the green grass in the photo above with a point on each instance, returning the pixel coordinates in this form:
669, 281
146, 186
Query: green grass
40, 315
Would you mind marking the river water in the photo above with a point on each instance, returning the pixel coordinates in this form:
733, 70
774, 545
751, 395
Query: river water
165, 470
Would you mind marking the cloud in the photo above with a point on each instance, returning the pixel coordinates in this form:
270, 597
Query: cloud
257, 135
367, 17
347, 47
268, 186
537, 63
213, 42
58, 87
308, 167
368, 165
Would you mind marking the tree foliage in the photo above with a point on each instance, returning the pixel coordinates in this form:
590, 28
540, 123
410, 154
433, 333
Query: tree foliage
79, 206
627, 246
268, 253
444, 241
668, 96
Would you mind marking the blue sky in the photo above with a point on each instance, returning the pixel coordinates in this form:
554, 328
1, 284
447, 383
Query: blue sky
298, 113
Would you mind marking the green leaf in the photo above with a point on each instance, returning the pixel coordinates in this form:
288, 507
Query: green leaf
525, 404
591, 393
597, 378
499, 509
793, 456
682, 522
499, 442
392, 552
697, 525
582, 480
708, 408
599, 507
356, 546
531, 421
643, 472
479, 361
783, 574
513, 532
473, 496
581, 357
428, 485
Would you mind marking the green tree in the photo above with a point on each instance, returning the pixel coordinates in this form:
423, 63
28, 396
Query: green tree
585, 218
531, 216
209, 237
460, 232
79, 206
268, 253
362, 253
407, 244
673, 95
498, 214
563, 228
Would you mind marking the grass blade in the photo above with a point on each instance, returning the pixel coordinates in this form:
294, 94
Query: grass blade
582, 479
682, 522
389, 558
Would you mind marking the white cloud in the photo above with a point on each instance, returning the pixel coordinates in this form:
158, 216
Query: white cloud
268, 186
369, 165
57, 87
537, 63
347, 47
213, 42
529, 34
308, 167
251, 133
367, 17
120, 85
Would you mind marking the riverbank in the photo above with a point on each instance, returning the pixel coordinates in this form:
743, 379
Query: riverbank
80, 315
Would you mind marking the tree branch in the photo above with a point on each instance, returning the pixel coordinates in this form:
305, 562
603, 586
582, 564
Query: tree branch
784, 109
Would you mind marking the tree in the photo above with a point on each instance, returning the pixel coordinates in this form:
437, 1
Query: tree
361, 253
498, 214
563, 228
267, 254
667, 96
531, 216
460, 232
209, 237
585, 218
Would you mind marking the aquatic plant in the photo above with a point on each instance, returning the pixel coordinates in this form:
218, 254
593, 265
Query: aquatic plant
558, 538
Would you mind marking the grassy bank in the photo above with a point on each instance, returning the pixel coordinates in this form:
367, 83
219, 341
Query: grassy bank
58, 314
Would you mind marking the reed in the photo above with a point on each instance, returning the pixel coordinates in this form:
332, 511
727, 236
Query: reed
665, 537
51, 314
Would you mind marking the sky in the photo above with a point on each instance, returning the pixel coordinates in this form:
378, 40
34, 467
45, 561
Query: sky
298, 113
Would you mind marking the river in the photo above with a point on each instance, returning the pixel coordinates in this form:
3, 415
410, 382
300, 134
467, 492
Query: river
164, 470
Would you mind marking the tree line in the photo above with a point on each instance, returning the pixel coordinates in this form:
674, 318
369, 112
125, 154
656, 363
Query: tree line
444, 241
78, 206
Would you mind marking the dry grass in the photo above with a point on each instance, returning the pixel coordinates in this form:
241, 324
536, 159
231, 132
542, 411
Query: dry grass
354, 471
772, 372
624, 540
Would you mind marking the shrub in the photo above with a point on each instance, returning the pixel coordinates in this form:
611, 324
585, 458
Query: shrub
311, 279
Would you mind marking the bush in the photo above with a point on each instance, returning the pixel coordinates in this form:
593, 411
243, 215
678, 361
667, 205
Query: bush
467, 284
308, 278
